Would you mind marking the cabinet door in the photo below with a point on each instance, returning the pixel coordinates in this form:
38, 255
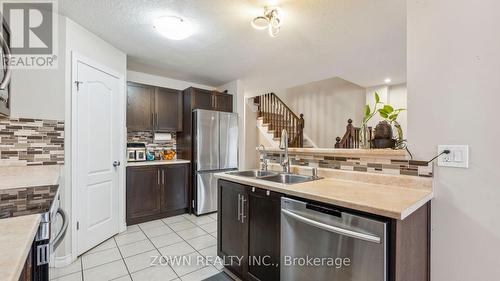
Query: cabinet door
139, 107
143, 192
203, 99
264, 209
231, 227
224, 102
175, 187
168, 110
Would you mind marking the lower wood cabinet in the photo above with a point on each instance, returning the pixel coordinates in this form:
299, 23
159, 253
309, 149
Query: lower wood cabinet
249, 227
156, 191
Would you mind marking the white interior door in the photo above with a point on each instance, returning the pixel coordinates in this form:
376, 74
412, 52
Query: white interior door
96, 149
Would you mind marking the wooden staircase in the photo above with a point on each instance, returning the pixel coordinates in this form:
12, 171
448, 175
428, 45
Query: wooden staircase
276, 116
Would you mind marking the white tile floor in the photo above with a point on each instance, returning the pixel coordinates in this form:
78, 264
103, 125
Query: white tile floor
128, 255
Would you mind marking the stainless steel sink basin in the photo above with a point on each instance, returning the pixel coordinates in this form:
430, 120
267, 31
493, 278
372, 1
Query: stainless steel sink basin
289, 178
254, 174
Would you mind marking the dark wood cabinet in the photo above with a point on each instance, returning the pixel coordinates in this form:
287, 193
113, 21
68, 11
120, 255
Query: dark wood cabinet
151, 108
175, 191
156, 191
143, 192
201, 99
232, 226
247, 215
264, 210
223, 102
168, 110
140, 107
195, 98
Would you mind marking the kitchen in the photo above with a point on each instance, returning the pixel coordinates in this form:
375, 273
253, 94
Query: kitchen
252, 140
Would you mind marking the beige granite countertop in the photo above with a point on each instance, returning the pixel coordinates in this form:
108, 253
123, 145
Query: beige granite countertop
393, 201
27, 176
16, 236
157, 162
376, 153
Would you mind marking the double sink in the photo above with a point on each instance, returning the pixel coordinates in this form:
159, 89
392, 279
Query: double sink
274, 176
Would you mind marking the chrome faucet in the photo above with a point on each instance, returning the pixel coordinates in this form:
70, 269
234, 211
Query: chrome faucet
264, 158
285, 161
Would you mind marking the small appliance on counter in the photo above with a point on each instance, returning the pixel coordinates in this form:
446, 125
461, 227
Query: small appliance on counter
136, 151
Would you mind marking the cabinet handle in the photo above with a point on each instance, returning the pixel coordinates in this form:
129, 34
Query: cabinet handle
156, 119
243, 208
152, 120
158, 177
239, 206
163, 176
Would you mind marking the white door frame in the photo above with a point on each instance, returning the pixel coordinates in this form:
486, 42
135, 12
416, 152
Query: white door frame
75, 58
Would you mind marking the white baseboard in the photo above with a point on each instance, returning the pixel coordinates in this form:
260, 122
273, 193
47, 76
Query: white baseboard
61, 261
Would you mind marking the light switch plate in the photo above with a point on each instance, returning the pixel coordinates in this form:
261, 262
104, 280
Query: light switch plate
458, 156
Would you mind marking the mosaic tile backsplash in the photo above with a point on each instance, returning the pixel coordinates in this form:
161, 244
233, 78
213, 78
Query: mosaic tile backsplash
360, 164
148, 139
26, 201
31, 142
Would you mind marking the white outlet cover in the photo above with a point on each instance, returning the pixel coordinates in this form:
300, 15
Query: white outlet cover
458, 156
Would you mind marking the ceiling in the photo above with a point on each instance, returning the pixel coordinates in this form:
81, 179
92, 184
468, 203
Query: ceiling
363, 41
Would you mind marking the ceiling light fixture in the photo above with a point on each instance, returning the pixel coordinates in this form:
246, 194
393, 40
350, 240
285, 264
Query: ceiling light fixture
271, 20
173, 27
387, 80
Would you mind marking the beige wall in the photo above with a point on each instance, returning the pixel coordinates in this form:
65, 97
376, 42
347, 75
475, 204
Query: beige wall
40, 93
326, 105
453, 98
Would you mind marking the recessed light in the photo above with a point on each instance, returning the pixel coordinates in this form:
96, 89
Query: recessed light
173, 27
387, 80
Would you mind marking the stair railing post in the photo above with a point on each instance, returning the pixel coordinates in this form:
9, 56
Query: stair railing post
301, 130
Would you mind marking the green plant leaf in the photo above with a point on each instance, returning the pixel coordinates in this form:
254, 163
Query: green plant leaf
367, 110
377, 97
393, 117
388, 108
382, 111
383, 114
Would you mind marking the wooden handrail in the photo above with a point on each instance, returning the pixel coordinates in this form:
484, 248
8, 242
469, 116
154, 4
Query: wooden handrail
351, 137
278, 116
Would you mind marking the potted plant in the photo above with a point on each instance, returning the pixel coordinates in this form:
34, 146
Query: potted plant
386, 112
389, 114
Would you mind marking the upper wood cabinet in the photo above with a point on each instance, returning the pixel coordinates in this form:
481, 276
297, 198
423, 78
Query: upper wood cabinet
168, 110
140, 99
151, 108
209, 100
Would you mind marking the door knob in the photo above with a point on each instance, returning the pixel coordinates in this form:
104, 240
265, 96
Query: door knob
116, 163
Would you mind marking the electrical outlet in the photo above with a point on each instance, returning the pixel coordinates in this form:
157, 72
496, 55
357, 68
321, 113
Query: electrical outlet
458, 156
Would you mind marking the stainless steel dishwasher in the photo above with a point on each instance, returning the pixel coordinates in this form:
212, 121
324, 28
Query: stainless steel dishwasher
322, 243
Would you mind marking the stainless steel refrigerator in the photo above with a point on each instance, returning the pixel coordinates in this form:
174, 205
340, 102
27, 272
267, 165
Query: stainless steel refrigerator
215, 149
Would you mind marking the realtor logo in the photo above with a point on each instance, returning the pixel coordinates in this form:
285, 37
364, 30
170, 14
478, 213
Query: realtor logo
33, 33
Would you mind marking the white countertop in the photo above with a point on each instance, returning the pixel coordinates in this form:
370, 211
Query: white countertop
28, 176
157, 162
16, 237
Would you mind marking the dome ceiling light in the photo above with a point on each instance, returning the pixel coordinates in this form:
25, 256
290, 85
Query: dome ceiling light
173, 27
271, 20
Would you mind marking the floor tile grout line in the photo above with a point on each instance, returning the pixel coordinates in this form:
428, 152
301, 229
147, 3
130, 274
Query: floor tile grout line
123, 260
158, 250
155, 247
81, 268
193, 252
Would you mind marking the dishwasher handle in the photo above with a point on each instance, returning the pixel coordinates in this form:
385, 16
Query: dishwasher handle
334, 229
